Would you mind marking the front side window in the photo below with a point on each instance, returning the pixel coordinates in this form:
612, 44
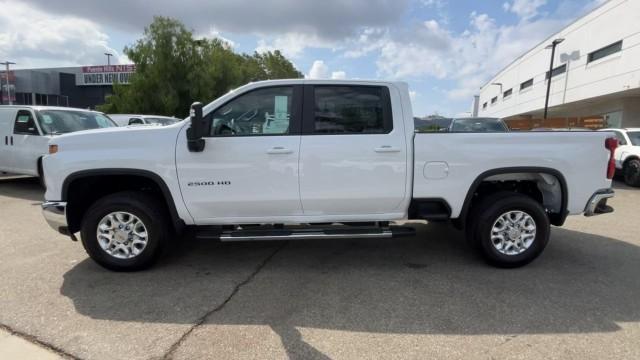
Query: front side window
265, 111
135, 121
54, 122
620, 137
351, 110
634, 136
507, 93
25, 124
161, 121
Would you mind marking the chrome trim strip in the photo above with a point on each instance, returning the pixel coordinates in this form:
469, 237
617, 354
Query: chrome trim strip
590, 209
299, 236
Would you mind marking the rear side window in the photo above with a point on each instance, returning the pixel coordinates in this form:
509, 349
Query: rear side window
351, 110
25, 124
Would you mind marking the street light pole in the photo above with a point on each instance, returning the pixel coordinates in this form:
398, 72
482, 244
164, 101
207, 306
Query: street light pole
552, 46
109, 55
6, 75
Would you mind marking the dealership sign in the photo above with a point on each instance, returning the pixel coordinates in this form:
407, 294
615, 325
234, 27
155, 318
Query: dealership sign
105, 74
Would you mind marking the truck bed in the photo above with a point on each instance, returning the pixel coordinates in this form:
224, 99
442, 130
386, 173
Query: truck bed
447, 164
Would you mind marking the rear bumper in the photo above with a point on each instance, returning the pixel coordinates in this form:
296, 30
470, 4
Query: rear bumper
55, 212
598, 203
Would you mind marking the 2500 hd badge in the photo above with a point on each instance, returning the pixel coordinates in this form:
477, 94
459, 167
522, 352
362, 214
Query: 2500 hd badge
208, 183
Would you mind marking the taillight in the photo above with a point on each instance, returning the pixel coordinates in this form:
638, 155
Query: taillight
611, 144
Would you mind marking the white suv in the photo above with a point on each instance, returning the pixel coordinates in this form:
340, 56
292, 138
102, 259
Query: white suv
628, 154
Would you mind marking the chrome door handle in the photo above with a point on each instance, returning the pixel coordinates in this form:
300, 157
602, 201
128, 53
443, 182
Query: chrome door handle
279, 150
386, 149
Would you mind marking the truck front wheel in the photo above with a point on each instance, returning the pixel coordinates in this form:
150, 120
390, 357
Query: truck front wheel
125, 231
510, 229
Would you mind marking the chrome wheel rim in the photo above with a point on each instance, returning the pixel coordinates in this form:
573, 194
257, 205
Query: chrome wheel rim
122, 235
513, 232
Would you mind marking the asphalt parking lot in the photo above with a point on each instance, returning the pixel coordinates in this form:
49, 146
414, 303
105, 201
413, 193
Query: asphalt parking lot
423, 297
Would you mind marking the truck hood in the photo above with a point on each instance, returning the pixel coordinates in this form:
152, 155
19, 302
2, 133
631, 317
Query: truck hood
120, 137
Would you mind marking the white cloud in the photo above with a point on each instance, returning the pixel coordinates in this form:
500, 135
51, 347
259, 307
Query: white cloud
34, 38
328, 19
215, 33
293, 44
319, 70
338, 75
525, 9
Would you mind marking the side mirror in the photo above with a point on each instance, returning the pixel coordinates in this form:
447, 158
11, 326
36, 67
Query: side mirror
195, 133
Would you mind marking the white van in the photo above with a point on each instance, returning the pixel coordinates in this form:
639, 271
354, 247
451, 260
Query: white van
25, 132
132, 119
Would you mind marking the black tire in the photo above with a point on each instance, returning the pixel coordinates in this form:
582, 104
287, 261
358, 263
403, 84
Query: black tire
41, 174
486, 213
151, 213
632, 173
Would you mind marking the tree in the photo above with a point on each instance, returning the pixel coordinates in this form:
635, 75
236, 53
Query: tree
173, 70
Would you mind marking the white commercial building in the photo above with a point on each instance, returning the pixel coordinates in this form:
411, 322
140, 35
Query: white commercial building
595, 80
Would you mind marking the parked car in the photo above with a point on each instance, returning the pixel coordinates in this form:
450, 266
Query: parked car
129, 119
627, 154
561, 129
471, 124
265, 162
26, 130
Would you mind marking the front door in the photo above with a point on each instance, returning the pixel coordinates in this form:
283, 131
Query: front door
28, 144
248, 170
353, 152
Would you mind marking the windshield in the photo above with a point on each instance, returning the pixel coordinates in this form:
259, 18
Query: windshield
54, 122
160, 121
634, 136
478, 125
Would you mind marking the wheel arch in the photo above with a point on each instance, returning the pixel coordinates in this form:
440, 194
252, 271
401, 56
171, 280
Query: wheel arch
127, 179
555, 218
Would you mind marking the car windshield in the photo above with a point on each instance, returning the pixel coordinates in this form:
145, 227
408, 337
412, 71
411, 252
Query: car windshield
478, 125
160, 121
634, 136
53, 122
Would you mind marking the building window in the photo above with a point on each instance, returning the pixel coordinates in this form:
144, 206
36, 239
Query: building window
605, 51
526, 84
557, 71
507, 93
494, 100
484, 106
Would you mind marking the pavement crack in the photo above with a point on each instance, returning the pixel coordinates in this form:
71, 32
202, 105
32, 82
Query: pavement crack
34, 340
236, 289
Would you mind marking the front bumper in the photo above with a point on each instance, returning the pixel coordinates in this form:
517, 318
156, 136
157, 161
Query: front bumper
55, 214
598, 203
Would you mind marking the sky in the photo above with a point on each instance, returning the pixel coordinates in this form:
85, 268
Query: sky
444, 49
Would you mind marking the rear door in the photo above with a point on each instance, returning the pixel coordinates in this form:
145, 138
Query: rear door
28, 144
353, 152
248, 170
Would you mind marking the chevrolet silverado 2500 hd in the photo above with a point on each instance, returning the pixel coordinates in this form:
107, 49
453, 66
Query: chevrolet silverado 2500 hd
301, 159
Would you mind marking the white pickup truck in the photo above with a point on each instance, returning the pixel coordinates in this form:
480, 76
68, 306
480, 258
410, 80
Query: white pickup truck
627, 154
302, 159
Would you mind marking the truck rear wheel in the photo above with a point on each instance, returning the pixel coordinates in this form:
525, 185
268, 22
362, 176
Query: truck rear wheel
632, 173
509, 229
125, 231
